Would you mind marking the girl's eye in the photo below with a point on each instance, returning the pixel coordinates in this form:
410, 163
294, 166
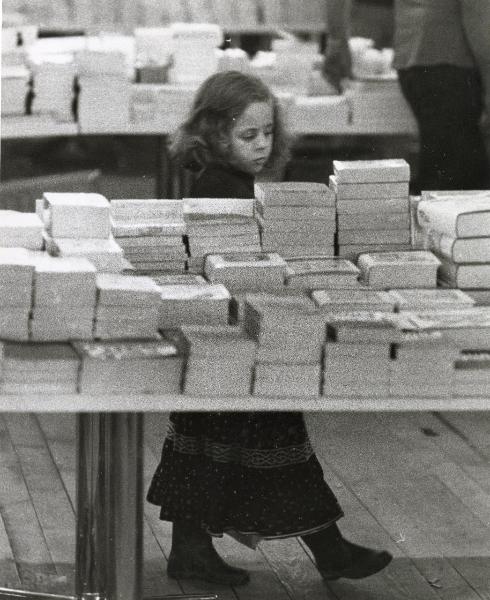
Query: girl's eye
268, 132
248, 137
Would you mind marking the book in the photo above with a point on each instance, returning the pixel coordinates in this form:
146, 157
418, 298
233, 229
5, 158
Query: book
431, 299
437, 195
246, 270
127, 290
456, 216
307, 213
76, 215
219, 206
365, 191
20, 230
413, 269
373, 223
468, 328
361, 326
380, 236
375, 205
460, 250
354, 300
371, 171
179, 279
294, 193
129, 367
320, 271
194, 305
148, 211
105, 254
146, 229
465, 275
219, 360
63, 281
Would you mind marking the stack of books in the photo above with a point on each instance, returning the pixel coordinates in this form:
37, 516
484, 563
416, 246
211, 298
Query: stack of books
247, 271
296, 218
151, 234
129, 367
349, 300
410, 269
468, 329
357, 355
15, 82
198, 304
105, 90
20, 230
430, 299
365, 189
458, 232
290, 332
64, 298
16, 281
78, 224
127, 306
194, 55
39, 369
423, 364
316, 272
54, 87
219, 360
216, 225
471, 375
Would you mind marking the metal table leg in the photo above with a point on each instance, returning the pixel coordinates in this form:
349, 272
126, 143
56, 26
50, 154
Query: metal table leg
109, 536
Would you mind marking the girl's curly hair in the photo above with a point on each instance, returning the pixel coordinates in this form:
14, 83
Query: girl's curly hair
220, 100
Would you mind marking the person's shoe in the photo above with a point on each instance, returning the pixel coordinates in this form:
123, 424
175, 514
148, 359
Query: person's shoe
193, 556
362, 562
208, 566
336, 557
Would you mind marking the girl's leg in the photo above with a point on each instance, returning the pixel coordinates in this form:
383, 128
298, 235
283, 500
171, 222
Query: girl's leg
193, 556
337, 557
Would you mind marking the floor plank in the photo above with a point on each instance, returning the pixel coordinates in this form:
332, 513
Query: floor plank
417, 484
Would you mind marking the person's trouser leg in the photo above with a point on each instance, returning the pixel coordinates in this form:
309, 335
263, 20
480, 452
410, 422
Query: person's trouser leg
447, 103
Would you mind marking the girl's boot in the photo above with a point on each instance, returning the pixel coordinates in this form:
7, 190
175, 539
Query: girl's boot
337, 557
193, 556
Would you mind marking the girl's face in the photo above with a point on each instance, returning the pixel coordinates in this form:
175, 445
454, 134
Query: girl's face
251, 137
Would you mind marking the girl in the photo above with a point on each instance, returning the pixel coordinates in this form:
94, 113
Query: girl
252, 475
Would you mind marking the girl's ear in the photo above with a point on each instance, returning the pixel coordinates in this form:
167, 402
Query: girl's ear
224, 141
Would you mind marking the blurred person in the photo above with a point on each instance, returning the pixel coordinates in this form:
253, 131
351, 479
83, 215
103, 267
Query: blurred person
438, 76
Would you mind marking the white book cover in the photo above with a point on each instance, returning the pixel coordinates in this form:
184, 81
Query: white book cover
140, 211
368, 191
371, 171
298, 267
116, 288
456, 216
460, 250
197, 293
294, 193
408, 299
19, 229
76, 215
244, 260
346, 298
220, 206
370, 260
121, 228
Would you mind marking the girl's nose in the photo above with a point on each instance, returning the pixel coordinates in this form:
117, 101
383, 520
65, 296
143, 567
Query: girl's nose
261, 140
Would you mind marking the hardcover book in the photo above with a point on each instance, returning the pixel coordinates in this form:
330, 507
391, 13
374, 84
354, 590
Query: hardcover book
457, 216
371, 171
76, 215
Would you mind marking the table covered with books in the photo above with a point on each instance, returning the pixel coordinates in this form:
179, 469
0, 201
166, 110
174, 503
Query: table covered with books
303, 298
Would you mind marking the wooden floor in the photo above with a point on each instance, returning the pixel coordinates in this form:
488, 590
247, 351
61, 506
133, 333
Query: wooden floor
415, 484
